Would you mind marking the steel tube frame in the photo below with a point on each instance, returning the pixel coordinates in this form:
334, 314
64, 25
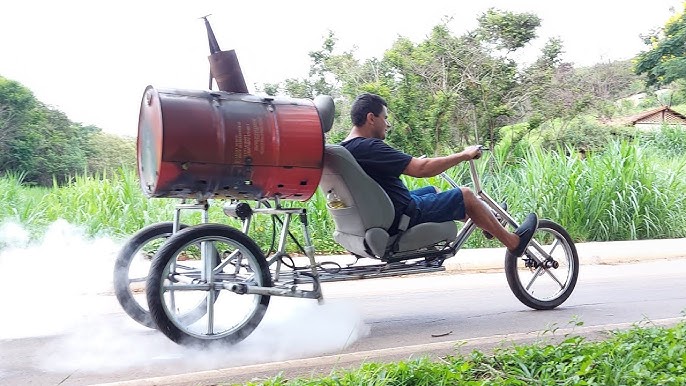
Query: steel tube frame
289, 289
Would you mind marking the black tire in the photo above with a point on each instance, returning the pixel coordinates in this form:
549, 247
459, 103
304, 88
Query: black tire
122, 281
538, 287
165, 301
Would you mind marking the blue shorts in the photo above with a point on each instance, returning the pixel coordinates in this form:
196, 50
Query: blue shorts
437, 207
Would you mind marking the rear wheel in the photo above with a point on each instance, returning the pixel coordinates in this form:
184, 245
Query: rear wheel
546, 274
175, 284
131, 269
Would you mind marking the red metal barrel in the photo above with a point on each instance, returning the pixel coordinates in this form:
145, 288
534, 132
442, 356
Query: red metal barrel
203, 144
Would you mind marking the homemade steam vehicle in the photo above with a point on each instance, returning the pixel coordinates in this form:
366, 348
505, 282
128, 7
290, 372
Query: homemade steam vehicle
210, 282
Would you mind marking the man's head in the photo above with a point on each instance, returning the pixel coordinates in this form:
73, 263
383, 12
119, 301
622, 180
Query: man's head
370, 114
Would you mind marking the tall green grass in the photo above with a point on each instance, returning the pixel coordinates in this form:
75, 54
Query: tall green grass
627, 191
20, 203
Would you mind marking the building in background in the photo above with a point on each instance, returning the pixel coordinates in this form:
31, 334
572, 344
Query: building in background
651, 119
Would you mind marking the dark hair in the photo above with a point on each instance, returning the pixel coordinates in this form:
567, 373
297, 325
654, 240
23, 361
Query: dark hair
364, 104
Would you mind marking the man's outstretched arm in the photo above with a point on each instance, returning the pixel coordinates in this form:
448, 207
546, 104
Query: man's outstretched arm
429, 167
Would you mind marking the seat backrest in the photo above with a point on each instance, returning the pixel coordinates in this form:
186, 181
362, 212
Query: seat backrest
326, 110
367, 205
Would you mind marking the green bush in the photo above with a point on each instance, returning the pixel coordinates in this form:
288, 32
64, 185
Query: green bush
582, 132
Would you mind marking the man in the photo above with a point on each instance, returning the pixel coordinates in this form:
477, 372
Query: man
385, 164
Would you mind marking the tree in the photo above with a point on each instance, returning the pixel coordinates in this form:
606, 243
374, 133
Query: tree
7, 125
423, 97
665, 62
107, 152
467, 88
37, 140
17, 107
610, 80
507, 30
538, 84
316, 83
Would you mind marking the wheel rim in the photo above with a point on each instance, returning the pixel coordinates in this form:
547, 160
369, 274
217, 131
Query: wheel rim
138, 268
189, 283
544, 282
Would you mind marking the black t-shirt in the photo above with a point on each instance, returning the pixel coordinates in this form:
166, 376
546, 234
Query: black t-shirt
384, 165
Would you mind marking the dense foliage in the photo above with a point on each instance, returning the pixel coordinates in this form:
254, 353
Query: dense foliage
665, 61
43, 145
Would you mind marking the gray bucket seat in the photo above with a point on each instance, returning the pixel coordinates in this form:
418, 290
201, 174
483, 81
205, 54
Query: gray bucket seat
362, 225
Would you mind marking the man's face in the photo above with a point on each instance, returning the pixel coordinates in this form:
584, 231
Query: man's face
380, 124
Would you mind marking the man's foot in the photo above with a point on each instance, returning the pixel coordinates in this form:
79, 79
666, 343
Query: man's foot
502, 221
525, 232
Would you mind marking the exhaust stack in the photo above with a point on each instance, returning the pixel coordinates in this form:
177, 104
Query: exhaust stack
224, 66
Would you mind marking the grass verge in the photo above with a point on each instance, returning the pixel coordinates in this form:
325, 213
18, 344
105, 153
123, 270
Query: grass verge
642, 355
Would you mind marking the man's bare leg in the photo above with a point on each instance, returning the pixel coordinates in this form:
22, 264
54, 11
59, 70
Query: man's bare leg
484, 219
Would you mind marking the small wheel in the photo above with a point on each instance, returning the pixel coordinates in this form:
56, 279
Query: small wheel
131, 269
544, 278
176, 283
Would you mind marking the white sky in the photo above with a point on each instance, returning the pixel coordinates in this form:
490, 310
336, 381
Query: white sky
93, 59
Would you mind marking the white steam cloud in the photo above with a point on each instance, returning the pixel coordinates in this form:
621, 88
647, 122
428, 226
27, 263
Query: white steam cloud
61, 288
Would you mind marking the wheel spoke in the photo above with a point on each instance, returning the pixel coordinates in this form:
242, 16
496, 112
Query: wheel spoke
226, 261
211, 295
552, 275
533, 278
239, 261
186, 267
538, 273
555, 244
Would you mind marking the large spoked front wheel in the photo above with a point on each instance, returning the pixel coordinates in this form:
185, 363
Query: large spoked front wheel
545, 275
180, 275
131, 269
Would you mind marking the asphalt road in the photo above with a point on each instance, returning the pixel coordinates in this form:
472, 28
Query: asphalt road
379, 319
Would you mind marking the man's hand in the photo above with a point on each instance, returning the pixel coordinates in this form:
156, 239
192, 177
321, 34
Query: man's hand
472, 152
